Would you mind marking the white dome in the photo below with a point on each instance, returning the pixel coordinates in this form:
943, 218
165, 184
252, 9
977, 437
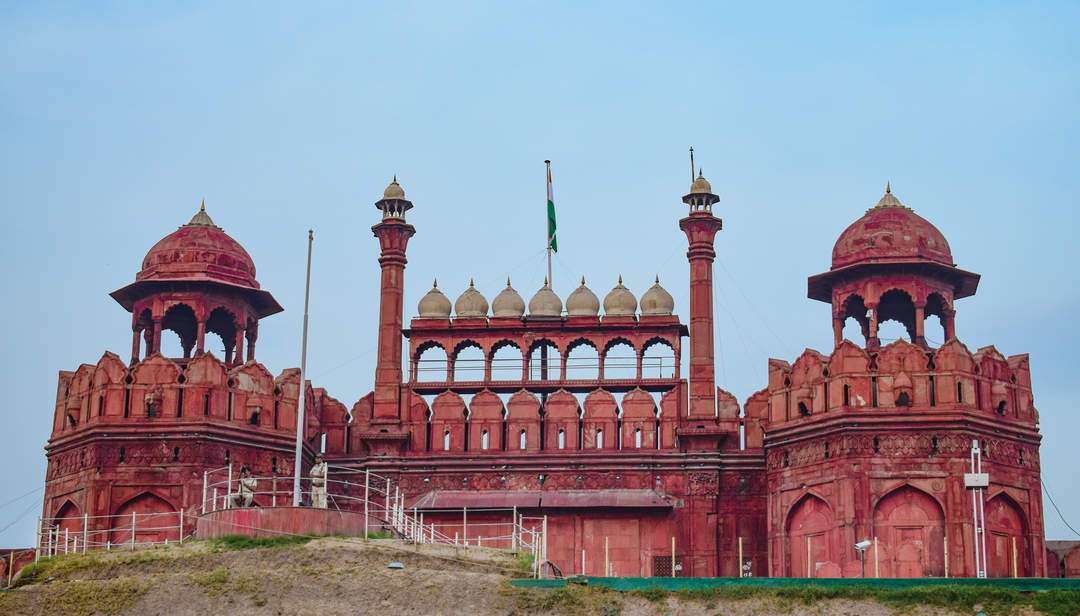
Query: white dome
434, 305
620, 302
582, 302
471, 303
657, 300
507, 303
545, 303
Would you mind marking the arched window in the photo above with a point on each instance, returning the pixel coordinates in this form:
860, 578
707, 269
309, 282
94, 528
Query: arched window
582, 361
562, 438
446, 440
521, 440
544, 362
484, 440
506, 363
658, 360
620, 361
179, 319
637, 438
469, 363
896, 317
431, 365
599, 438
856, 323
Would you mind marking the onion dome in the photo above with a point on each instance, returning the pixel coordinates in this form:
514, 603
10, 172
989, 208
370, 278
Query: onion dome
471, 303
700, 185
890, 232
582, 302
434, 305
620, 302
657, 301
199, 250
545, 303
507, 303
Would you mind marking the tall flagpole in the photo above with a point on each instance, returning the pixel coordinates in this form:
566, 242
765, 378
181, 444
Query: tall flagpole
303, 369
547, 223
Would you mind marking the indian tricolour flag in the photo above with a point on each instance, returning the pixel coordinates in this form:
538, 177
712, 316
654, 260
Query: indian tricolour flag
551, 211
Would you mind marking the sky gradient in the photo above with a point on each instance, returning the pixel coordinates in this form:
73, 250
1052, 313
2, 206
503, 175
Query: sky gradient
119, 118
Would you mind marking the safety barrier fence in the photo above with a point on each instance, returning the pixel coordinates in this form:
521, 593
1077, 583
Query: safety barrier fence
377, 498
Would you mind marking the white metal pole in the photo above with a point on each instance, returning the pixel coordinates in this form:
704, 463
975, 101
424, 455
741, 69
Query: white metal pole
37, 541
181, 526
67, 541
545, 538
204, 491
303, 369
228, 488
386, 503
85, 530
132, 531
465, 524
513, 531
367, 496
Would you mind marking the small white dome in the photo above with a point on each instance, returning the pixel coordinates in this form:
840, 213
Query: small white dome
700, 185
545, 303
620, 302
582, 302
394, 190
507, 303
434, 305
657, 300
471, 303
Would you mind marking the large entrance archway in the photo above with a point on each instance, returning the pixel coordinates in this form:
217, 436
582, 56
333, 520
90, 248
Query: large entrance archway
155, 520
910, 529
1006, 539
812, 549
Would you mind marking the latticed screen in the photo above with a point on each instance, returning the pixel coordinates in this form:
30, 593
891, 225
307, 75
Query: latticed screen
661, 566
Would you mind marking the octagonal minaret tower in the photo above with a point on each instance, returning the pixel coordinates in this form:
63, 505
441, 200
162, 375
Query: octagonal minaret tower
393, 233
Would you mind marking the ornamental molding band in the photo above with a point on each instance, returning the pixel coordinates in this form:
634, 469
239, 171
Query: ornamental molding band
601, 413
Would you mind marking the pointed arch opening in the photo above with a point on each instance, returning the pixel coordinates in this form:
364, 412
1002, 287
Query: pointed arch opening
545, 361
1007, 545
506, 361
221, 324
620, 360
896, 317
910, 527
155, 520
431, 364
180, 320
468, 362
582, 360
812, 542
856, 323
658, 359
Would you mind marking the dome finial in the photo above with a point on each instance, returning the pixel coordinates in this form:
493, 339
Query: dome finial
435, 284
545, 281
888, 188
202, 208
700, 173
620, 278
471, 282
508, 281
582, 279
658, 279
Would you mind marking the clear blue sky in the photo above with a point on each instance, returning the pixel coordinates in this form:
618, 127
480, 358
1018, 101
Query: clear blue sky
118, 118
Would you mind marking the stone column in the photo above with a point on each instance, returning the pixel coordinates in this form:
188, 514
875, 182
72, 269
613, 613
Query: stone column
639, 356
157, 337
872, 342
920, 324
252, 335
135, 345
200, 338
838, 329
239, 354
948, 320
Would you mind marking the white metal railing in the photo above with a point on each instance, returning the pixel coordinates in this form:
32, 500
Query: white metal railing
106, 532
381, 501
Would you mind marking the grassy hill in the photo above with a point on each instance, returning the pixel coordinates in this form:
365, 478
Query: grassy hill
350, 576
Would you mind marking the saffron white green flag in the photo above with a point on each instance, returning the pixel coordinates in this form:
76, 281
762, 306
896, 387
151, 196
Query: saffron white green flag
551, 213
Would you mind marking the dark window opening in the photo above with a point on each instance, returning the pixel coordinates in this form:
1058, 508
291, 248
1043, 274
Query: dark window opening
580, 434
826, 385
275, 413
175, 454
1001, 408
787, 459
978, 394
803, 411
72, 422
180, 402
503, 436
876, 445
1021, 452
826, 450
427, 437
933, 392
903, 399
100, 405
873, 391
847, 395
254, 419
933, 446
787, 403
206, 404
123, 455
227, 458
959, 392
466, 436
127, 402
228, 408
348, 439
273, 465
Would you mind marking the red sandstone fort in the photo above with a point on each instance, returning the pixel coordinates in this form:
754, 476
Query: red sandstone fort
651, 465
